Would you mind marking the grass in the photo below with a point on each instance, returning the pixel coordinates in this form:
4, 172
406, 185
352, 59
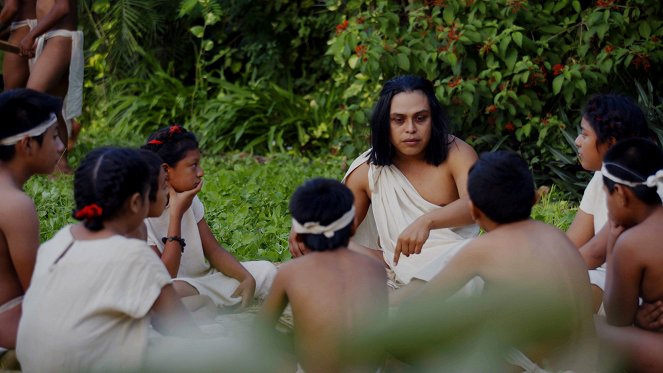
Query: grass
245, 197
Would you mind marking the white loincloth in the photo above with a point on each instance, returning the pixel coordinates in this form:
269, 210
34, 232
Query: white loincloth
30, 23
395, 204
72, 105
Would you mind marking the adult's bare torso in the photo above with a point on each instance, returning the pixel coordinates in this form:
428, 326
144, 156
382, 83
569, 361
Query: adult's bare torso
68, 22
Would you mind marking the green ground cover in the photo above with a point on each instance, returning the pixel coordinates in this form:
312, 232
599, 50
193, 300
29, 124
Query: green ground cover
246, 198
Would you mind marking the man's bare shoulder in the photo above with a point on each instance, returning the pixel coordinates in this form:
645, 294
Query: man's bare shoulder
358, 176
460, 149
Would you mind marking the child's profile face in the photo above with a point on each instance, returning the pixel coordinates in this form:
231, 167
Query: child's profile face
590, 152
50, 150
187, 172
617, 213
161, 196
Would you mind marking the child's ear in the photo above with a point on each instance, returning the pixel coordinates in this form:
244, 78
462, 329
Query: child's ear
136, 202
623, 195
24, 147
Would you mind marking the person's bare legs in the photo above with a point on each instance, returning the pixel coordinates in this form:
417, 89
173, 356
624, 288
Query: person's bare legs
52, 67
14, 67
50, 74
640, 349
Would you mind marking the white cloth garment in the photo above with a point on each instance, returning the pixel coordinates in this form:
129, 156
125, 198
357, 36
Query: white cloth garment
594, 203
88, 304
72, 104
194, 267
395, 204
30, 23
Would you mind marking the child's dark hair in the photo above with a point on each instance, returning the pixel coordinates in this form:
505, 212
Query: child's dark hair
323, 201
615, 115
634, 160
22, 110
171, 143
500, 184
104, 181
382, 152
154, 163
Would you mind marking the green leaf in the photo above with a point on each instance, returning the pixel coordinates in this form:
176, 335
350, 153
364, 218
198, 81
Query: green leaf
557, 84
576, 6
352, 61
560, 5
403, 61
197, 31
644, 29
467, 98
511, 58
448, 15
582, 86
517, 38
504, 44
451, 57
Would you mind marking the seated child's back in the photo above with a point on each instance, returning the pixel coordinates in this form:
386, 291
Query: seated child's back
332, 290
517, 252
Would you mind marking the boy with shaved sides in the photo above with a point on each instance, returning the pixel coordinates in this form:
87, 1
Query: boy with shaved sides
332, 290
633, 179
29, 145
520, 254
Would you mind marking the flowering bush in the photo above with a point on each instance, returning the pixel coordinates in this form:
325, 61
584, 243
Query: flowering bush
513, 73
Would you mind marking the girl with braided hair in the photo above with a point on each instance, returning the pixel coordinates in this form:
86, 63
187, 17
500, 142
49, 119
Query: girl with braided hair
93, 289
606, 119
181, 236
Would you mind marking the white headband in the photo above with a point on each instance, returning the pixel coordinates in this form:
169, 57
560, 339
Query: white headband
329, 230
36, 131
655, 180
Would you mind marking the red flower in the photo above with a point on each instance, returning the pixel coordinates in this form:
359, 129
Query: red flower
175, 128
509, 127
155, 142
608, 49
557, 69
491, 109
361, 50
342, 26
455, 82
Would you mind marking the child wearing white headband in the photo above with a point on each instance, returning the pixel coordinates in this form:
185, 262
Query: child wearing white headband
29, 145
633, 177
332, 290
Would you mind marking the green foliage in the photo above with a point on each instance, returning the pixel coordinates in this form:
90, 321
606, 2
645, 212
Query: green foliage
553, 209
246, 199
509, 71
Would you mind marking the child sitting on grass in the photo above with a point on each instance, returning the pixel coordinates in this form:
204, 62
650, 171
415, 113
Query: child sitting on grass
633, 177
332, 290
184, 240
29, 145
518, 253
94, 291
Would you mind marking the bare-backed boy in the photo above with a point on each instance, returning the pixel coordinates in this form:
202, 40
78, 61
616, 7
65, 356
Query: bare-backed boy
29, 145
633, 178
518, 253
332, 290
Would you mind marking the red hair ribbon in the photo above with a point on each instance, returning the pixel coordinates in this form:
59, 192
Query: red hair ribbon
155, 142
89, 212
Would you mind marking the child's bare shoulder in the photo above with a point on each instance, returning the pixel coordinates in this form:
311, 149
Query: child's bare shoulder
16, 202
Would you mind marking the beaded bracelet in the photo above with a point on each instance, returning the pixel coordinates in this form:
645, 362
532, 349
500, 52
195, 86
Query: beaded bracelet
174, 238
